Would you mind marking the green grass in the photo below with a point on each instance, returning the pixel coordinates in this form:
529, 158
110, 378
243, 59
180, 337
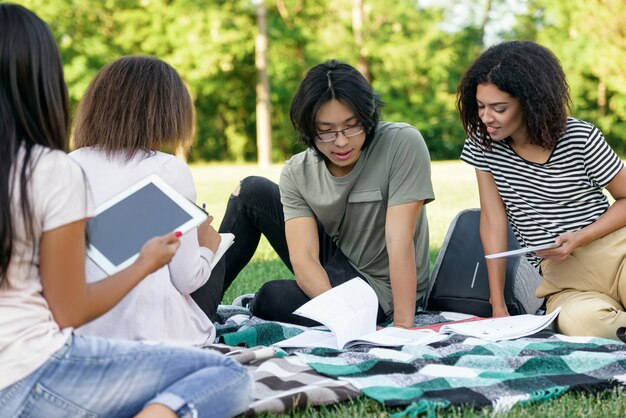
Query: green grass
455, 190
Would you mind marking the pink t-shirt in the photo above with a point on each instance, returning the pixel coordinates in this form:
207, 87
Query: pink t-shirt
28, 333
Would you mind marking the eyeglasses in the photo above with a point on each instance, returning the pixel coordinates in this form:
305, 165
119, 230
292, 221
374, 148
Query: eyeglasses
349, 132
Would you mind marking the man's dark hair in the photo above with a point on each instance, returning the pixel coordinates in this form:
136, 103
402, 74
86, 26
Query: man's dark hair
342, 82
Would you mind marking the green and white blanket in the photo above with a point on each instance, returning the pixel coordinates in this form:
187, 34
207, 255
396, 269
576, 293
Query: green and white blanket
457, 371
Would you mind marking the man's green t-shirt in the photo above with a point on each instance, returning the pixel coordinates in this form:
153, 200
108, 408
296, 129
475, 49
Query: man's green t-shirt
394, 169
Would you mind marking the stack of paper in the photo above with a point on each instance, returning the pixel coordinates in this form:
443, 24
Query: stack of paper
228, 239
349, 312
504, 328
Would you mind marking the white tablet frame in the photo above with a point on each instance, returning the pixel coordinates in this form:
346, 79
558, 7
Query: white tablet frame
197, 217
522, 251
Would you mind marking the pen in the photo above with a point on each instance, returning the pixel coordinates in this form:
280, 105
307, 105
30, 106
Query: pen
204, 209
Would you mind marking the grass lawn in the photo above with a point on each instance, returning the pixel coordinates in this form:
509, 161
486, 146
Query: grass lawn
455, 190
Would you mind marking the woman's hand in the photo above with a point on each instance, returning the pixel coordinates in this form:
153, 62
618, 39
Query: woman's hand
74, 302
158, 251
208, 237
499, 311
567, 242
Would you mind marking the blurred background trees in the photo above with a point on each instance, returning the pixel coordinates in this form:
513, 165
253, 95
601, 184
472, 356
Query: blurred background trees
413, 52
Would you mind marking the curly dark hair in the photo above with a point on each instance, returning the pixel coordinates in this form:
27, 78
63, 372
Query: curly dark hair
527, 71
334, 80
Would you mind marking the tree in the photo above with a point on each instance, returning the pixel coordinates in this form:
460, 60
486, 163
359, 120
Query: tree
414, 54
588, 37
263, 106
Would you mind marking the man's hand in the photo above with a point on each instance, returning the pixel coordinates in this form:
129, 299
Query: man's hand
499, 311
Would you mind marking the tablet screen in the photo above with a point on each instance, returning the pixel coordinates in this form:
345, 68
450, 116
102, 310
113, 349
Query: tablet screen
119, 232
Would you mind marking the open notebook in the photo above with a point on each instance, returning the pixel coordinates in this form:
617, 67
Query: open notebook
349, 312
227, 241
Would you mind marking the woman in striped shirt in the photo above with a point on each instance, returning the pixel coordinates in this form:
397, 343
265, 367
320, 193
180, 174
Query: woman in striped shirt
544, 172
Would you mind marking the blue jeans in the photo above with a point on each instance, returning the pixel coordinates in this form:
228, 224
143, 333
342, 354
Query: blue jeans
96, 377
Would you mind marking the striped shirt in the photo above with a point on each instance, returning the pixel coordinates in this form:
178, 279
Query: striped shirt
564, 194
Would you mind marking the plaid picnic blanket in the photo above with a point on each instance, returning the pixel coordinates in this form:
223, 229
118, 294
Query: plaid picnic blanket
281, 382
457, 371
284, 383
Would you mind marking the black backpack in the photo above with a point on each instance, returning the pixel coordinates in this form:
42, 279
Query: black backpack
459, 280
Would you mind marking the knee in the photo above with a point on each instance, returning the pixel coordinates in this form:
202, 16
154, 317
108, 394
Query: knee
256, 188
239, 372
277, 299
269, 292
587, 319
250, 182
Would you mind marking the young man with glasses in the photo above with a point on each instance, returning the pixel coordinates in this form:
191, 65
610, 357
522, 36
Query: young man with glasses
351, 205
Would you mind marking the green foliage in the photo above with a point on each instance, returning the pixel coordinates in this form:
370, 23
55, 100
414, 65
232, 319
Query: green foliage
415, 52
588, 37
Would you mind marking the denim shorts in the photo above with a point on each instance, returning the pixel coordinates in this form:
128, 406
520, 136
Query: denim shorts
97, 377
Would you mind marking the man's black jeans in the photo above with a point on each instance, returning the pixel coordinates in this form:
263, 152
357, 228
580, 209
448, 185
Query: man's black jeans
257, 210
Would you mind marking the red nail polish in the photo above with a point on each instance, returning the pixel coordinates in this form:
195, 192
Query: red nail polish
178, 234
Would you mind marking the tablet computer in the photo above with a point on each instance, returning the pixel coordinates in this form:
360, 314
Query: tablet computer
523, 250
124, 223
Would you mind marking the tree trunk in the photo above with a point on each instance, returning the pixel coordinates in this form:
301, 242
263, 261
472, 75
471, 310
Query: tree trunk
357, 30
263, 104
486, 10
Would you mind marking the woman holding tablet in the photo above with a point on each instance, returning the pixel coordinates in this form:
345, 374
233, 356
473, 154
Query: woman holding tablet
135, 106
46, 370
544, 173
